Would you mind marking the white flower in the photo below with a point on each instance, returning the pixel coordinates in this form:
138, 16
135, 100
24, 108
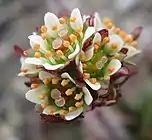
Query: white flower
27, 69
43, 93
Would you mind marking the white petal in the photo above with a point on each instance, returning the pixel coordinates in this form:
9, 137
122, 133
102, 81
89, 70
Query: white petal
66, 75
97, 23
97, 38
87, 96
34, 94
116, 64
46, 110
79, 22
36, 39
52, 67
50, 20
115, 39
95, 86
131, 51
43, 75
80, 67
76, 51
89, 53
74, 114
88, 33
35, 61
85, 17
22, 60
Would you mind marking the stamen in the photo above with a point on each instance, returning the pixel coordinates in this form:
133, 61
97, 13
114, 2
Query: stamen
106, 78
44, 104
123, 34
109, 25
47, 81
55, 94
106, 40
66, 44
79, 104
36, 47
78, 96
69, 92
73, 37
117, 30
62, 20
44, 36
50, 111
33, 86
93, 80
59, 53
106, 21
79, 30
43, 29
54, 27
111, 68
55, 81
96, 47
63, 112
128, 39
72, 19
60, 102
114, 46
65, 82
42, 96
134, 43
57, 43
48, 54
86, 75
71, 108
116, 55
24, 70
37, 55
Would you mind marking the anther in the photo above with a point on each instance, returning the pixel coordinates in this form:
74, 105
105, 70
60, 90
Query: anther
42, 96
78, 96
69, 92
66, 44
71, 108
36, 47
106, 21
109, 25
72, 19
33, 86
54, 27
47, 81
65, 82
24, 70
111, 68
55, 81
73, 37
37, 54
43, 29
93, 80
106, 40
44, 36
44, 104
86, 75
63, 112
48, 54
114, 46
62, 20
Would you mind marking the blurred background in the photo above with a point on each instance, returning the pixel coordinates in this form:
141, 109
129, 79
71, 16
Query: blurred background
130, 119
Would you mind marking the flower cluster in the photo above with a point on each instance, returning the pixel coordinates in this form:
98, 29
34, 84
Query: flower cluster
76, 62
